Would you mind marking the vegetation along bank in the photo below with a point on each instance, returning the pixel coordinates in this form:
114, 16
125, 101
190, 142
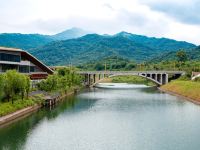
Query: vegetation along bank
16, 93
188, 89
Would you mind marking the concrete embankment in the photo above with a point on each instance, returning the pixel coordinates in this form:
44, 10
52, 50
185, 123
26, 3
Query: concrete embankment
18, 114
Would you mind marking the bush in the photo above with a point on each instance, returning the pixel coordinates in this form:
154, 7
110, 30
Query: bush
184, 78
63, 80
197, 79
8, 107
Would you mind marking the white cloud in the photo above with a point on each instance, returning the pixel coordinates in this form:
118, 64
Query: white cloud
101, 16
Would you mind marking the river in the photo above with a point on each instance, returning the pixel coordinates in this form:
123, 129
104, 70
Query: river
109, 119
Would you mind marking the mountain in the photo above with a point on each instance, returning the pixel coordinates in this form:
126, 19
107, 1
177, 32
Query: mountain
23, 41
157, 43
70, 34
192, 54
27, 41
96, 47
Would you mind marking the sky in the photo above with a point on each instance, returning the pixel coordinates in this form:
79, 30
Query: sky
176, 19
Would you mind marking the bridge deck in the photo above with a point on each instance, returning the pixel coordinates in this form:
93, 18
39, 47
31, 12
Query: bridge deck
130, 72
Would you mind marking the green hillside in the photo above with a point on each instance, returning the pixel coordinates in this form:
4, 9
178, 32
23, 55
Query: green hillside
192, 54
23, 41
66, 48
109, 63
27, 41
96, 47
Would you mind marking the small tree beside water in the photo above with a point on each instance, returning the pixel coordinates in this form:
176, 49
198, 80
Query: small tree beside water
13, 84
63, 80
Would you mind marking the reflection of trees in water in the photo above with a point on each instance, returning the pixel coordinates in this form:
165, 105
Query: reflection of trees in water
151, 90
14, 136
62, 106
71, 105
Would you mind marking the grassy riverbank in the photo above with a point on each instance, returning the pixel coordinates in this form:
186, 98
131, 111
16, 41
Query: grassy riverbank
38, 99
132, 80
15, 89
189, 89
8, 107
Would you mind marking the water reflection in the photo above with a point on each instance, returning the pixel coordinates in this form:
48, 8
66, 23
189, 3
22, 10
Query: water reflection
13, 137
102, 119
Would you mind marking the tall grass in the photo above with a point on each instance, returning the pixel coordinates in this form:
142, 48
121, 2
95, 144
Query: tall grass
190, 89
8, 107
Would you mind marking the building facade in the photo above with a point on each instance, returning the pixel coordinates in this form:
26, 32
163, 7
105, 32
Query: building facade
23, 62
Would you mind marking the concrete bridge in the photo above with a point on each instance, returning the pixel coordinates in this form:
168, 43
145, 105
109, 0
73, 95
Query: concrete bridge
159, 77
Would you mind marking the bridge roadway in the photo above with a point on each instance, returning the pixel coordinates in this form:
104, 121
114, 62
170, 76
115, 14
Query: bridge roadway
158, 77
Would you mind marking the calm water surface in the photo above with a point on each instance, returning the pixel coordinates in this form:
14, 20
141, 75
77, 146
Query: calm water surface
109, 119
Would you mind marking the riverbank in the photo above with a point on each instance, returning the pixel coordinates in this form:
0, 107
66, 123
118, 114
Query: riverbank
36, 104
189, 90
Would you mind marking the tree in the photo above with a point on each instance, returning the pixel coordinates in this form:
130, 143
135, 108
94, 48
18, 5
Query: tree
15, 84
181, 56
28, 86
22, 85
130, 66
2, 82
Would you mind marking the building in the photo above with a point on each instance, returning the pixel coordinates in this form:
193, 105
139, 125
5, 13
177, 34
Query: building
23, 62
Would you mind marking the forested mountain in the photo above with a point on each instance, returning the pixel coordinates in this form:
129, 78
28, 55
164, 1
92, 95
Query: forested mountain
23, 41
27, 41
73, 46
157, 43
192, 54
96, 47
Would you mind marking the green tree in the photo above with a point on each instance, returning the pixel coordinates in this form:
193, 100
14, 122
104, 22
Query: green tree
28, 86
181, 56
2, 82
22, 85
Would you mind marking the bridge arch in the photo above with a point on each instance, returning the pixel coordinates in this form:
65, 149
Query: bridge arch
158, 77
139, 75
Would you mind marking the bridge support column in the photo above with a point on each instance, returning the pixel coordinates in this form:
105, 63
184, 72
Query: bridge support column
156, 77
89, 80
86, 79
164, 78
94, 78
167, 79
159, 78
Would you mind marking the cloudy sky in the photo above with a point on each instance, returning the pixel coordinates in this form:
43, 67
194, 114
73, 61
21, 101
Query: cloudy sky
177, 19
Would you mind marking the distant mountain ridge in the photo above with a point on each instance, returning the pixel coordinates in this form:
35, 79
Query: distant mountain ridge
96, 47
156, 43
23, 41
27, 41
77, 46
70, 34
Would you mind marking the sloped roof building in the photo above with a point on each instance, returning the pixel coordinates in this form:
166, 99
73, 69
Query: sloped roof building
23, 62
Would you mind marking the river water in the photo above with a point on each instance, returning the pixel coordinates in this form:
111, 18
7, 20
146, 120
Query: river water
109, 119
